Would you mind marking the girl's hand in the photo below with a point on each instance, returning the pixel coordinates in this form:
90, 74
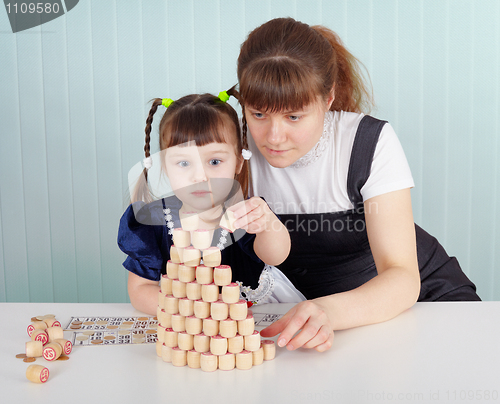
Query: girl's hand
308, 317
253, 215
272, 241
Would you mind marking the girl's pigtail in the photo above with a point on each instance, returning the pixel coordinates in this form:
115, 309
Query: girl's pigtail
141, 192
246, 163
232, 91
245, 177
244, 129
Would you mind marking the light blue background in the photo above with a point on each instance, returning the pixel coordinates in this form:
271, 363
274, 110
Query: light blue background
74, 96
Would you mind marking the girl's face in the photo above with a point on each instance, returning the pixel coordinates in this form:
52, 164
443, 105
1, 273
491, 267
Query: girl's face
202, 176
284, 137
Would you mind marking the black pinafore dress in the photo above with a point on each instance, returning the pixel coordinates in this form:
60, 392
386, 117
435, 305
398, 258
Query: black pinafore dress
330, 251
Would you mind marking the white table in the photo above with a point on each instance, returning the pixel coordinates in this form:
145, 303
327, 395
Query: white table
434, 352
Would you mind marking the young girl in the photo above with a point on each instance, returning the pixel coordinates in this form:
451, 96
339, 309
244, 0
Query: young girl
341, 184
202, 155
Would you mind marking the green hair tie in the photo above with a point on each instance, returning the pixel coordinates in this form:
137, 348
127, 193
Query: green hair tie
224, 96
166, 102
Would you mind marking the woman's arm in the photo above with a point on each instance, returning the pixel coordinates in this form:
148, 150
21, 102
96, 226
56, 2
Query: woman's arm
391, 233
143, 293
272, 241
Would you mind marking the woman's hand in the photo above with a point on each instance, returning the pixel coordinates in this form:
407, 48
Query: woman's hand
310, 321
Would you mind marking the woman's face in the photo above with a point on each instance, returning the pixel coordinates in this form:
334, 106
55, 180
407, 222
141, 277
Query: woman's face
284, 137
202, 176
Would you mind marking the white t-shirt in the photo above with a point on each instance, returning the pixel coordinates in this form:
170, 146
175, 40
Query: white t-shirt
317, 182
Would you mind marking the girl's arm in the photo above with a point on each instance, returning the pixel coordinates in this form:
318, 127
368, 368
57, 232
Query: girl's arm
272, 241
391, 233
143, 293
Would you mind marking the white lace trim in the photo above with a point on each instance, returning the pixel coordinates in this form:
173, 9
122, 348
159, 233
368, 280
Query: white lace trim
168, 220
222, 239
315, 153
263, 292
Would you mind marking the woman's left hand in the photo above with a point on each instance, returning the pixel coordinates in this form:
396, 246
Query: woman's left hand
308, 317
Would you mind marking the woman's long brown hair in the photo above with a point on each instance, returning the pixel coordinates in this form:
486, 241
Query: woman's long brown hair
285, 64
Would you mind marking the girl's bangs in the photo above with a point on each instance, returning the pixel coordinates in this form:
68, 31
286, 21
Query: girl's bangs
201, 126
276, 85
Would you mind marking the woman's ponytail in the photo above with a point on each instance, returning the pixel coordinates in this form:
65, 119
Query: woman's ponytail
351, 92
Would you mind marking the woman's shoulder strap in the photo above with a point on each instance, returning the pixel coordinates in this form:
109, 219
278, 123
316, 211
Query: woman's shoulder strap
363, 149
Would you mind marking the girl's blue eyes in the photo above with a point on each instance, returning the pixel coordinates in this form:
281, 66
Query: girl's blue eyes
212, 162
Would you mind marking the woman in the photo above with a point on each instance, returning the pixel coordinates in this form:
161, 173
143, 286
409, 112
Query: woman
340, 182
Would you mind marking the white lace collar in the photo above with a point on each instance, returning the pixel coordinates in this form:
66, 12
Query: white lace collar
315, 153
